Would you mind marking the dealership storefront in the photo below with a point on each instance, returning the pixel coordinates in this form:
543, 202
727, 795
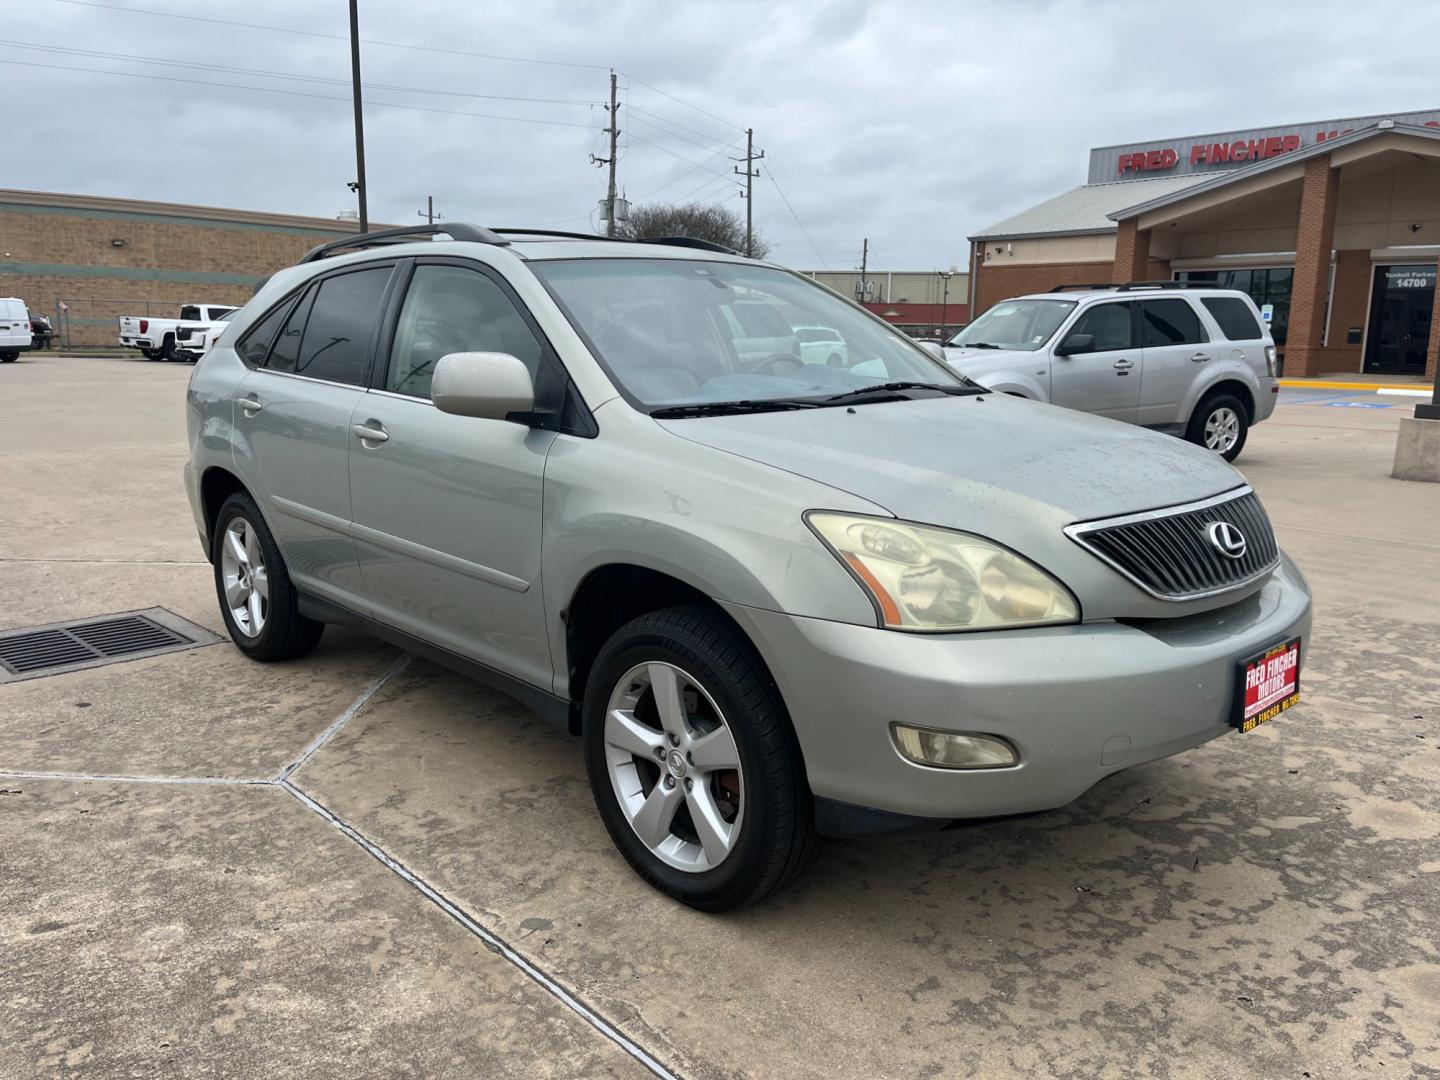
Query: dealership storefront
1333, 227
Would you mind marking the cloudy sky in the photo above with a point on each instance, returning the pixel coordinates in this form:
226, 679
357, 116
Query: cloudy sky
913, 124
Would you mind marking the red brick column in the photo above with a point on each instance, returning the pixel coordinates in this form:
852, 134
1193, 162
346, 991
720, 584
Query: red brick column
1314, 239
1433, 349
1132, 252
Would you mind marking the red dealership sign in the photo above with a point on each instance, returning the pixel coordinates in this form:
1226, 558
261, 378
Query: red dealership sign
1162, 158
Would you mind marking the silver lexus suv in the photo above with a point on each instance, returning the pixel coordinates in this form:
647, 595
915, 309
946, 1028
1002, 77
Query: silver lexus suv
1195, 361
776, 596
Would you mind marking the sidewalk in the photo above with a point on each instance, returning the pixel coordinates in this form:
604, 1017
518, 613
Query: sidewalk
1355, 381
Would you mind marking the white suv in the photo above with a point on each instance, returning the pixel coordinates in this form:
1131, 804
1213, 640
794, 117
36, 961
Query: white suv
1191, 361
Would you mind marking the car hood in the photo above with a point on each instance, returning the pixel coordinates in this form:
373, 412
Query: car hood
982, 460
978, 363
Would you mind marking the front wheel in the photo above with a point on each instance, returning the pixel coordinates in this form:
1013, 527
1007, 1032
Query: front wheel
1220, 423
9, 356
257, 600
692, 761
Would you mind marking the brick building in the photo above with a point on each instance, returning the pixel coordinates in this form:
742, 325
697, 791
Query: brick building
922, 302
1333, 228
85, 260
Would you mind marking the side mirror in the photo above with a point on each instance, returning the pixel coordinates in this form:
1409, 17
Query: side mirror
485, 385
933, 349
1076, 343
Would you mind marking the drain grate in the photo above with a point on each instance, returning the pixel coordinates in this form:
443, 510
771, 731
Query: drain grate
37, 651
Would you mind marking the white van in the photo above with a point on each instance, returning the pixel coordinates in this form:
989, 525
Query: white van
14, 328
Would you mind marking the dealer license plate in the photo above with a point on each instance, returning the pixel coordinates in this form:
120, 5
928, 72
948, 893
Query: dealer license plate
1268, 685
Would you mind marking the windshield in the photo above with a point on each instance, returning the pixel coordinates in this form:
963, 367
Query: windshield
679, 332
1015, 324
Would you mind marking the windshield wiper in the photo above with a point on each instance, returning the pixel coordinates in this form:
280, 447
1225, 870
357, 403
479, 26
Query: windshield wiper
890, 388
977, 345
726, 408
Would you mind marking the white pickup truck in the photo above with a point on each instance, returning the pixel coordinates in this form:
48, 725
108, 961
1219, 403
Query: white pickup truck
157, 338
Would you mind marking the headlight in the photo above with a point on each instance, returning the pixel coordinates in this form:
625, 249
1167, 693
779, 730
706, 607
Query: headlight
922, 578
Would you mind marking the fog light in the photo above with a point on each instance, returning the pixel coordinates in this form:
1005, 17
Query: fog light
948, 750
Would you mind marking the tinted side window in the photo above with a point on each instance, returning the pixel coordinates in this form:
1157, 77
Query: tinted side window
1109, 325
256, 343
342, 322
1236, 321
287, 345
450, 309
189, 311
1171, 322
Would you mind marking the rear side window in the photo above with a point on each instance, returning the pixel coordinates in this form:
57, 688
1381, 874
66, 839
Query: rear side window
256, 342
190, 312
1109, 325
287, 344
1234, 317
1170, 322
449, 309
336, 342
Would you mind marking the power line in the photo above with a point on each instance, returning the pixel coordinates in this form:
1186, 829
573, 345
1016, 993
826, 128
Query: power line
643, 83
672, 153
292, 93
708, 183
780, 191
723, 150
335, 37
131, 58
673, 134
673, 123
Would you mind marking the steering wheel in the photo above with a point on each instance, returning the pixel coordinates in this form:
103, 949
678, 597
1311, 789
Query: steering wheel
774, 360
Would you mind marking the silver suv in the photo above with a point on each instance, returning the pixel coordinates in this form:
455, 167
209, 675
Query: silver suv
775, 598
1193, 361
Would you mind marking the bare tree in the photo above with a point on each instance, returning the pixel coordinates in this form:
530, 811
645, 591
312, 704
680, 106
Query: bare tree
699, 221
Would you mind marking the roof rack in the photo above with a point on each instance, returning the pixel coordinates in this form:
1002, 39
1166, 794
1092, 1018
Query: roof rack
561, 234
1135, 286
455, 230
689, 242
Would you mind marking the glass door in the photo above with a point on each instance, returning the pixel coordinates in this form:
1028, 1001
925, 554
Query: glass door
1401, 305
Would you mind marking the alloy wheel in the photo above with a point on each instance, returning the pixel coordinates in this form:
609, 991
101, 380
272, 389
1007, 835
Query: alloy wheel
1222, 429
246, 582
674, 766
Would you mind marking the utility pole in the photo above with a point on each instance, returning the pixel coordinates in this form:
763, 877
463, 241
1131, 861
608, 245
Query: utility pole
614, 145
864, 261
749, 194
360, 188
944, 297
429, 213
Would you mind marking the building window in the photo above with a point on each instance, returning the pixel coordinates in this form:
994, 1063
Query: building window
1265, 286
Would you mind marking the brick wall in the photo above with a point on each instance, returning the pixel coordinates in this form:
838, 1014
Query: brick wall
996, 283
1305, 353
45, 255
1132, 253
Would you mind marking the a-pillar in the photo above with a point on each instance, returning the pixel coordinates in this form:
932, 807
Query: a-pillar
1314, 240
1132, 252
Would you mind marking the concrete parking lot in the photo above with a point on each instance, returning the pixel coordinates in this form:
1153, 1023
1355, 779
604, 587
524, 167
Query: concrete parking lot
429, 893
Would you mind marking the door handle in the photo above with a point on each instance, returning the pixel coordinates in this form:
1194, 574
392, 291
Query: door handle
1200, 357
1124, 365
369, 434
250, 405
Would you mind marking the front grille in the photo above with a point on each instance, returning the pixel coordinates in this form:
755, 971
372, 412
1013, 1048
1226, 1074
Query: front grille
1169, 553
182, 333
86, 643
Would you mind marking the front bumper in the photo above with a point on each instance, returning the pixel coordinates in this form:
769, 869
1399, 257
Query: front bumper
1079, 702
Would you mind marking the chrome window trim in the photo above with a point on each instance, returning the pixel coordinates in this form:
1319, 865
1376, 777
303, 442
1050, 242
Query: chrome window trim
1079, 529
308, 378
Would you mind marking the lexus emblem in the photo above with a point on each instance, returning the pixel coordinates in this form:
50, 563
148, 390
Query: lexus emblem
1226, 539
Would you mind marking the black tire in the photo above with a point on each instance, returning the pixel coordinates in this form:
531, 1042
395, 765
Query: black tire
9, 357
285, 633
167, 350
150, 354
777, 839
1209, 406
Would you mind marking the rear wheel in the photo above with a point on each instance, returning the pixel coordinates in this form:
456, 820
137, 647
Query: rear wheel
257, 600
150, 354
1220, 423
9, 356
692, 762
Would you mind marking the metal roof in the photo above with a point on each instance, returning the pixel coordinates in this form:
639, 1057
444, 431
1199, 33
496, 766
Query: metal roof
1086, 209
